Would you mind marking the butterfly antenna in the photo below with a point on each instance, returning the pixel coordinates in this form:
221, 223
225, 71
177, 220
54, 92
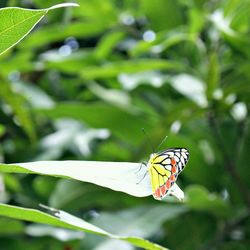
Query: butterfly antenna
148, 140
164, 139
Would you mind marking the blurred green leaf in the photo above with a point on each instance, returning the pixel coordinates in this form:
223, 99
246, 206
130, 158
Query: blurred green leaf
202, 233
135, 221
68, 64
44, 186
50, 34
198, 198
2, 130
213, 75
105, 12
238, 40
14, 227
111, 118
65, 220
163, 14
74, 191
244, 157
197, 20
164, 41
107, 44
37, 230
12, 183
113, 69
18, 108
77, 192
21, 61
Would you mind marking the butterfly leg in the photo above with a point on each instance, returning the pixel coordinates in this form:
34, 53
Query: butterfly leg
53, 211
144, 175
142, 164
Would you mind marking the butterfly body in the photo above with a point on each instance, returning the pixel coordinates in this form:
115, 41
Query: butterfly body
164, 168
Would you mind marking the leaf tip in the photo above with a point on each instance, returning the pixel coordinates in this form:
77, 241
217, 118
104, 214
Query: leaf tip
63, 5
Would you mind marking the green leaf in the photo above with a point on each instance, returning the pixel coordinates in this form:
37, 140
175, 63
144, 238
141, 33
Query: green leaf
202, 233
198, 198
65, 220
111, 118
79, 191
19, 109
162, 14
44, 185
135, 221
213, 75
21, 61
14, 227
197, 20
164, 40
12, 183
107, 43
50, 34
2, 129
238, 40
113, 69
74, 189
16, 23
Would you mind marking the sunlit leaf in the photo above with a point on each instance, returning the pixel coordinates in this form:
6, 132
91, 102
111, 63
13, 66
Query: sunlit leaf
120, 176
16, 23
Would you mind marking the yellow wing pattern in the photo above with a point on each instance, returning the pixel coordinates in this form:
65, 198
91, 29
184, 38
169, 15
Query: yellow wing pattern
164, 168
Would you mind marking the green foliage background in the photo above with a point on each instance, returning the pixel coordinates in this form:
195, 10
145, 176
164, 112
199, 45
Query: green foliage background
83, 84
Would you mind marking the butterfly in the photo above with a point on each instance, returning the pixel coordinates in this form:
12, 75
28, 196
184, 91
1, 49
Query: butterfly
164, 168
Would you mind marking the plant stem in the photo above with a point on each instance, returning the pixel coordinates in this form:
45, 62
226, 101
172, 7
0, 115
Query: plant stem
229, 165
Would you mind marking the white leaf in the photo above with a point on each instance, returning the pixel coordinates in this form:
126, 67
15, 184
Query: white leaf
126, 177
176, 192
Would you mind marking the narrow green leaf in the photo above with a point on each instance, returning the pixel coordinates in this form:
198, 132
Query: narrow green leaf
107, 43
65, 220
4, 168
116, 68
2, 129
16, 23
19, 109
50, 34
212, 75
164, 40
